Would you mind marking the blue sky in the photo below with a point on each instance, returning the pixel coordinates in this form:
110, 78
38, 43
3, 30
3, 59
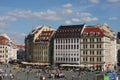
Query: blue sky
19, 17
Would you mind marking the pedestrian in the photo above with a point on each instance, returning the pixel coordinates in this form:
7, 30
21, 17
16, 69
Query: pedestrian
11, 76
44, 78
5, 75
73, 77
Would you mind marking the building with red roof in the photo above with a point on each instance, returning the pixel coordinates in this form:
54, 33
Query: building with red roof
7, 49
98, 48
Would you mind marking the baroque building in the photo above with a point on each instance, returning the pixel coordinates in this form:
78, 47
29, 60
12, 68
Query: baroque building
38, 45
67, 44
8, 49
98, 47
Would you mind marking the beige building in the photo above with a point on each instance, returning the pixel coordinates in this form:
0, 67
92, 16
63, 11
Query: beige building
8, 49
39, 45
98, 47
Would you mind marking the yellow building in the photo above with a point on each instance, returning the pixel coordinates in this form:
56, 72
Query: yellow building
38, 45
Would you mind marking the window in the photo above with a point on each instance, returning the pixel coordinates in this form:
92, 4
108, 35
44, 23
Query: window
100, 59
92, 39
93, 46
74, 46
77, 46
74, 40
83, 59
85, 34
77, 40
92, 33
90, 59
86, 58
97, 33
56, 46
84, 46
71, 40
86, 40
97, 59
74, 59
71, 46
100, 45
77, 59
83, 52
71, 59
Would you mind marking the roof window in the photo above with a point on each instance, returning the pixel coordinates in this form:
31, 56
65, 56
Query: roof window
92, 33
97, 33
85, 34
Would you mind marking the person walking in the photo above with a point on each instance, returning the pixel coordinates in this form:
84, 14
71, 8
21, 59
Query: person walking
11, 76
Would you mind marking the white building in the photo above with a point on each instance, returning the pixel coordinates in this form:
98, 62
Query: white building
98, 47
8, 49
67, 44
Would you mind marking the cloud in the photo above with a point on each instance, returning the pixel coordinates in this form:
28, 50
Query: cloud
47, 15
90, 19
68, 22
4, 25
52, 15
18, 37
113, 1
7, 18
76, 20
67, 5
95, 1
113, 18
84, 14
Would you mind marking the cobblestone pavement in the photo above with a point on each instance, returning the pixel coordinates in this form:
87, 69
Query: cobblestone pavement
23, 74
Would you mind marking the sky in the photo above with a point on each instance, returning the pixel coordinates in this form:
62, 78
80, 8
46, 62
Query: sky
19, 17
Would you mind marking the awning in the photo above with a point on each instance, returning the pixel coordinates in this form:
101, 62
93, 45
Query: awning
70, 65
35, 63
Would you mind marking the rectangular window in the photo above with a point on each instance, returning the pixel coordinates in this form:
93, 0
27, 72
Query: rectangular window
77, 59
77, 40
71, 46
74, 59
74, 40
74, 46
77, 46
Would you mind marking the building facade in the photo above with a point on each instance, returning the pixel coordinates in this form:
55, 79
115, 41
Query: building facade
118, 49
21, 52
67, 44
98, 47
39, 45
8, 49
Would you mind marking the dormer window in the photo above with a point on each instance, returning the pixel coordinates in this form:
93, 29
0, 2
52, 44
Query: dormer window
85, 34
97, 33
92, 33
